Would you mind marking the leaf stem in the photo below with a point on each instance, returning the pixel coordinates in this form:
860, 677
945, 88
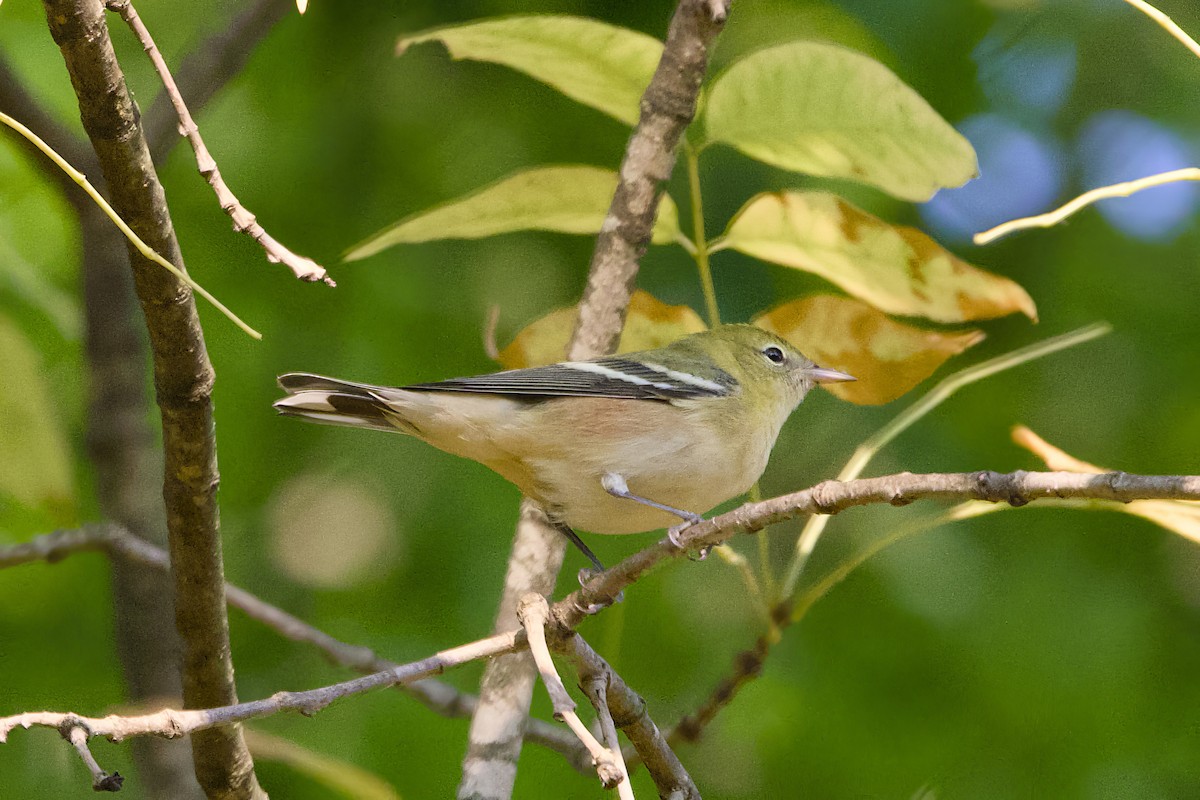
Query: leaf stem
692, 157
143, 248
909, 416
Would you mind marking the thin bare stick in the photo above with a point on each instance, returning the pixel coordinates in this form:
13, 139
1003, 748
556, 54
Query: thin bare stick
244, 221
1052, 218
1167, 23
594, 688
171, 722
146, 250
630, 715
533, 613
101, 780
121, 545
831, 497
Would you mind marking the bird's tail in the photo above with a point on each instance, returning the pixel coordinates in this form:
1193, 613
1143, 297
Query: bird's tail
333, 402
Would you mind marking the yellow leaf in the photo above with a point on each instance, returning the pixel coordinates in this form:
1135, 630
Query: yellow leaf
35, 456
1180, 516
896, 269
650, 323
887, 357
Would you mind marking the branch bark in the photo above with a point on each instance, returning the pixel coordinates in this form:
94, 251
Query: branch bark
831, 497
122, 547
183, 380
667, 108
121, 447
628, 710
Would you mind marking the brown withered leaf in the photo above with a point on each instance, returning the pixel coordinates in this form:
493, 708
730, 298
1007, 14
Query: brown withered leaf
650, 323
896, 269
887, 357
1179, 516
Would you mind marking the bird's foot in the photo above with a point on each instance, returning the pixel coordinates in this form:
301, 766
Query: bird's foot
585, 575
675, 531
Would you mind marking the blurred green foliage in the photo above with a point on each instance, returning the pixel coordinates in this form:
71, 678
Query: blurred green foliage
1031, 653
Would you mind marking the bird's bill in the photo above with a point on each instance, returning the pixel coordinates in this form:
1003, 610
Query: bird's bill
825, 375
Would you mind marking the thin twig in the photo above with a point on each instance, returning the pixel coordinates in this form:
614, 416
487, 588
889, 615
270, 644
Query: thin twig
146, 250
595, 690
1052, 218
244, 221
629, 714
172, 723
533, 613
1167, 23
121, 545
78, 737
832, 497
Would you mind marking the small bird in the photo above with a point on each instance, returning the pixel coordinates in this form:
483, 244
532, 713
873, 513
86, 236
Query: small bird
621, 444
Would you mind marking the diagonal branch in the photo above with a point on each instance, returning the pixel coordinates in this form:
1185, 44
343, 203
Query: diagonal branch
628, 712
534, 613
123, 548
171, 722
302, 267
667, 108
831, 497
209, 67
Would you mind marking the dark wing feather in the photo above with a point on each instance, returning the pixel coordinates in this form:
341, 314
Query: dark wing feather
608, 377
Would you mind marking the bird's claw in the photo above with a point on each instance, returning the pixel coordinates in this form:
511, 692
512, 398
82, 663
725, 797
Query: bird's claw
585, 575
675, 531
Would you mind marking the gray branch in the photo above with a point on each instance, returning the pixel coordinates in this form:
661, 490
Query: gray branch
831, 497
667, 108
628, 710
124, 548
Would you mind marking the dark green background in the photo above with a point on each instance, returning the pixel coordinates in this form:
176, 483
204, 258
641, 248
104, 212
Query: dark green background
1034, 653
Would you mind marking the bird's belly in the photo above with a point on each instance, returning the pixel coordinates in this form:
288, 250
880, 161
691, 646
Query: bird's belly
574, 493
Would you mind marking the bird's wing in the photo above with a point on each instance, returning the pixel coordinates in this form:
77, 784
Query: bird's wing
614, 377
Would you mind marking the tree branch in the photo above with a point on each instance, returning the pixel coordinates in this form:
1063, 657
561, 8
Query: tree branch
533, 613
124, 548
209, 66
244, 221
183, 379
667, 108
171, 722
628, 710
831, 497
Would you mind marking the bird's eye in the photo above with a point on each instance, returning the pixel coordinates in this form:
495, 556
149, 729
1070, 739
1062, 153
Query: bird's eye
774, 355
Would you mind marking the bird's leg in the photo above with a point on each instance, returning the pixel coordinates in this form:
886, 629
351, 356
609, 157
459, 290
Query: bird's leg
571, 535
615, 485
586, 574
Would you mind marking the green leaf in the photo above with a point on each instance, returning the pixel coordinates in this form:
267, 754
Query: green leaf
35, 460
897, 269
887, 357
824, 110
566, 199
594, 63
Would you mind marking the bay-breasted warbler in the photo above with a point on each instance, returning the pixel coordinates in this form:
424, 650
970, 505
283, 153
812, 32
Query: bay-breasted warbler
621, 444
